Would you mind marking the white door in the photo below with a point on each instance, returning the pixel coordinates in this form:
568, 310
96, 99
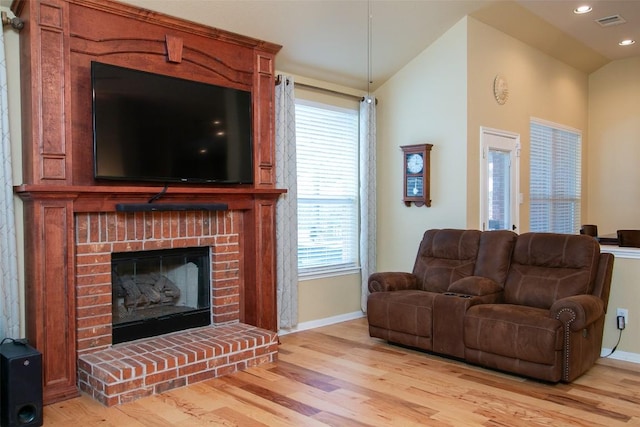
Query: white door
499, 180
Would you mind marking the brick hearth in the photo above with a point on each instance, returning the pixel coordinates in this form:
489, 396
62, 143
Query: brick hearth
141, 368
114, 374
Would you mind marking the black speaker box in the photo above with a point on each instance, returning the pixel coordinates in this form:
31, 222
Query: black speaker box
20, 385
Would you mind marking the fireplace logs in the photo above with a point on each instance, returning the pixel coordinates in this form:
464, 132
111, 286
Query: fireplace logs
159, 291
143, 290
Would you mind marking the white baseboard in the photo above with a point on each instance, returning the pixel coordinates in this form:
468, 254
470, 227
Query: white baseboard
621, 355
322, 322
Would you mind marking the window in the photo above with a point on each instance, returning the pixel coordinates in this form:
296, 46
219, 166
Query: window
555, 178
327, 162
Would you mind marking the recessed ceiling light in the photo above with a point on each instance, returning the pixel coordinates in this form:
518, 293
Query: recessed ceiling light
627, 42
582, 9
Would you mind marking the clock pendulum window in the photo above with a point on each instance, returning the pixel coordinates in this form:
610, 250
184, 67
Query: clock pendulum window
416, 167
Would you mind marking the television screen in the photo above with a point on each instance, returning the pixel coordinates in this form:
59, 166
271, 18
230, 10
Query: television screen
150, 127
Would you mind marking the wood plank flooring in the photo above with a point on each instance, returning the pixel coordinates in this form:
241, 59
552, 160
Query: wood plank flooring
339, 376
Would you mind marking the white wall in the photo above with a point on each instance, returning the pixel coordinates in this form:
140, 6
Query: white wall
539, 86
613, 183
614, 146
426, 102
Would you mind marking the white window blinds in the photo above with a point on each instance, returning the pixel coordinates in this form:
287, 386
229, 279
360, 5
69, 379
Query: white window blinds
327, 161
555, 178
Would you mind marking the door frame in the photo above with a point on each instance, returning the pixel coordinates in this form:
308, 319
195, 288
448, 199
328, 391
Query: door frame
516, 195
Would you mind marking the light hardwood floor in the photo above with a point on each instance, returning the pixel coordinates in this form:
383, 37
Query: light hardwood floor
339, 376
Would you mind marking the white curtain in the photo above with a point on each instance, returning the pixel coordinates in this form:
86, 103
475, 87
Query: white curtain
367, 194
9, 295
287, 205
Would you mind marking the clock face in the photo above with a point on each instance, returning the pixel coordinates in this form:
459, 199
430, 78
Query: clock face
415, 186
415, 163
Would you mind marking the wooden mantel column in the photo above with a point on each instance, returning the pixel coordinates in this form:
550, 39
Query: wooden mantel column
50, 292
59, 40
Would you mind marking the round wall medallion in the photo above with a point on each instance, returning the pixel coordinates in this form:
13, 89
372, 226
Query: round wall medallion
500, 89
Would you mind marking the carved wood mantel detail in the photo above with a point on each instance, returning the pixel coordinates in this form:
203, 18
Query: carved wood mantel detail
174, 48
58, 43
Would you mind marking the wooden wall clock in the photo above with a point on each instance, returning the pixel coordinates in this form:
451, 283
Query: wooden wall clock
416, 167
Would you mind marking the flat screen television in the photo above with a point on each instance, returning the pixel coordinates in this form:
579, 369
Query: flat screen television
151, 127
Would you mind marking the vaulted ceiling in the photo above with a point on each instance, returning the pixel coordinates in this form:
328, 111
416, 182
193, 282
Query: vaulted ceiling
329, 39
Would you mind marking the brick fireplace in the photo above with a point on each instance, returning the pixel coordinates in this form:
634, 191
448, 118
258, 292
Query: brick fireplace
127, 371
98, 235
71, 220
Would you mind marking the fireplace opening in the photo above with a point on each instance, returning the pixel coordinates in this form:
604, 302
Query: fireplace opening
160, 291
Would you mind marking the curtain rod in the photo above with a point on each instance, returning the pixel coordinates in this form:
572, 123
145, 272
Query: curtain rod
322, 89
331, 91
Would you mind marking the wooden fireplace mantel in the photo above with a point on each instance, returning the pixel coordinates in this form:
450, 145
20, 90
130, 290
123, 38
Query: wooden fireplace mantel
58, 43
105, 198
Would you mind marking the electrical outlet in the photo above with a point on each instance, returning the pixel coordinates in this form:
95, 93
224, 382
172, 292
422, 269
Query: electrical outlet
624, 313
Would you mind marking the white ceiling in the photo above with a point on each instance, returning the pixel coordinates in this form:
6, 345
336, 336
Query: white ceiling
551, 26
584, 28
328, 39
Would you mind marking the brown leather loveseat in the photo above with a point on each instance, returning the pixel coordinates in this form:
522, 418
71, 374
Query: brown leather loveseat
531, 304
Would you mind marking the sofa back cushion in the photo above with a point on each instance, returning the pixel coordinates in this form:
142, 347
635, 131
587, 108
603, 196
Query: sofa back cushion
547, 267
445, 256
494, 255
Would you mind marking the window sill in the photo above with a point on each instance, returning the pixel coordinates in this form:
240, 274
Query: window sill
332, 273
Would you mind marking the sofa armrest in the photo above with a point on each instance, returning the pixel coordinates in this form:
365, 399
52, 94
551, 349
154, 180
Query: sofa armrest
475, 286
392, 281
579, 311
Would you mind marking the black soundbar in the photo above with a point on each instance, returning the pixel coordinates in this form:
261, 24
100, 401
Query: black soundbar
151, 207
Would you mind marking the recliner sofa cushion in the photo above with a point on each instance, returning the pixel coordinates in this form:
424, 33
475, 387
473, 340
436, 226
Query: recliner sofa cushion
474, 285
408, 311
494, 255
518, 332
547, 267
445, 256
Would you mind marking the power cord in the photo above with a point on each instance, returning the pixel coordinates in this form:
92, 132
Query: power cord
621, 326
16, 341
160, 194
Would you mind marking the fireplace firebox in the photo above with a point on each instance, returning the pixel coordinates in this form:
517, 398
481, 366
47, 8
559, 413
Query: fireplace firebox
159, 291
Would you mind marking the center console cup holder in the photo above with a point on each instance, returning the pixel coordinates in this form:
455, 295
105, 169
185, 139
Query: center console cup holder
453, 294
